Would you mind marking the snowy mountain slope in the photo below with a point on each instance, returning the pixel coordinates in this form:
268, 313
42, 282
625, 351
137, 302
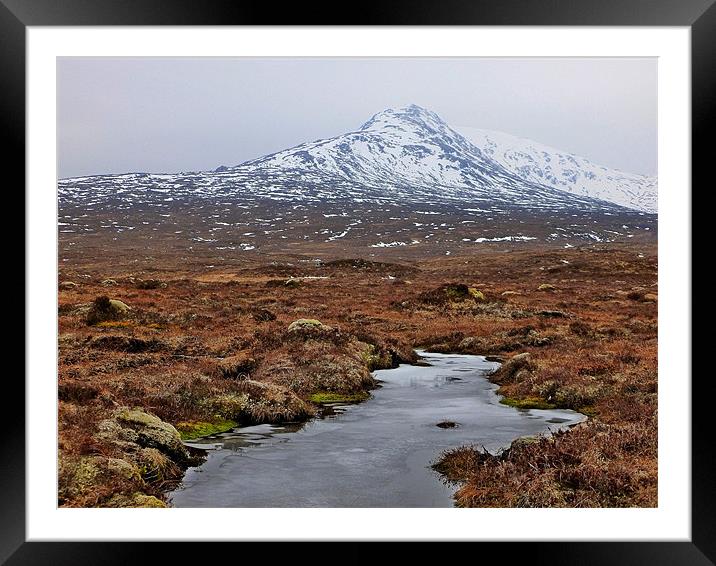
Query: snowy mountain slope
403, 180
411, 148
546, 165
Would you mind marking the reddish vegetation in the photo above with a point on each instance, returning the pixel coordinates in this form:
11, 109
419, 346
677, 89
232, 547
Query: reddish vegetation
212, 344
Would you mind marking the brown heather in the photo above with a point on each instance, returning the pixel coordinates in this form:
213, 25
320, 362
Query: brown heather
201, 345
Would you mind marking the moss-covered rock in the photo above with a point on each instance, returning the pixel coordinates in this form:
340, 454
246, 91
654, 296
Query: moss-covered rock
152, 432
303, 324
80, 476
104, 309
136, 499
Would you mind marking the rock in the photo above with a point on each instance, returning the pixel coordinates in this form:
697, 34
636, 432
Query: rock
68, 285
122, 468
546, 287
510, 293
303, 324
104, 309
137, 499
109, 283
650, 298
119, 306
79, 476
152, 432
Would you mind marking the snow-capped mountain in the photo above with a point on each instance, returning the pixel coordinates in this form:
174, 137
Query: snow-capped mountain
413, 148
403, 179
546, 165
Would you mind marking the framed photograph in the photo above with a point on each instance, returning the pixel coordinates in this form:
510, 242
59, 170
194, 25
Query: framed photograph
421, 275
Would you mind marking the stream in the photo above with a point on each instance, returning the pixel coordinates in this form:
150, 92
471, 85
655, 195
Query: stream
372, 454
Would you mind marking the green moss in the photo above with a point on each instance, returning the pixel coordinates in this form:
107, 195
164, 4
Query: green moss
475, 294
527, 403
198, 429
331, 397
138, 417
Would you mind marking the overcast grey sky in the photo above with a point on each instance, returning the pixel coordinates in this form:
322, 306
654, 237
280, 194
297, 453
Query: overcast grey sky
120, 115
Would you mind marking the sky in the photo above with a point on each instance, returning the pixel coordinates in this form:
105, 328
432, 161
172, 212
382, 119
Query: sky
162, 115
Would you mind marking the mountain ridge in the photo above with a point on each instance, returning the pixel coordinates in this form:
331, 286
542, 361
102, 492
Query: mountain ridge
542, 163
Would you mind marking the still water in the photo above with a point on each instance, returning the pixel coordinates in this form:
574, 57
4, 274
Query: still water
373, 454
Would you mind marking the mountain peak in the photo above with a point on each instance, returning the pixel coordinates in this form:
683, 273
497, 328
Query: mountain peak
413, 114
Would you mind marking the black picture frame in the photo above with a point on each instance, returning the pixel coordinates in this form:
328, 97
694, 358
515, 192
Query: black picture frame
699, 15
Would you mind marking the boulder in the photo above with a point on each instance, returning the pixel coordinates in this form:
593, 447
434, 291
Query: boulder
137, 499
104, 309
152, 432
307, 324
